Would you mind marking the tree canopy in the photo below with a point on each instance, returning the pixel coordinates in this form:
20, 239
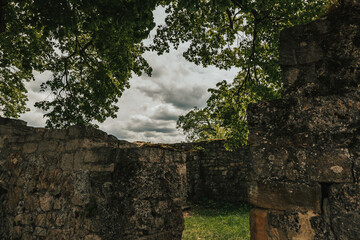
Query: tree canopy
93, 47
239, 34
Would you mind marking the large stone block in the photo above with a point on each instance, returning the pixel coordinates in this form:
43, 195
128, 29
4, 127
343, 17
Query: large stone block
281, 225
306, 164
286, 196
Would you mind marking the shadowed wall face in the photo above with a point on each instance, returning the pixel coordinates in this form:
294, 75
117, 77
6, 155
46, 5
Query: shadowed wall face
307, 148
213, 172
80, 183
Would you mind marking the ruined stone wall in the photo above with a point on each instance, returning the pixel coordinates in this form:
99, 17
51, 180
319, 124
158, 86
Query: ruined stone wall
80, 183
306, 146
215, 173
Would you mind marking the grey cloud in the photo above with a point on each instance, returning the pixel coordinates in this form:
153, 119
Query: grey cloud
180, 70
180, 97
150, 135
165, 114
141, 125
157, 73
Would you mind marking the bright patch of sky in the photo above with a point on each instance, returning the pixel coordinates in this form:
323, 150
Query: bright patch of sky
151, 106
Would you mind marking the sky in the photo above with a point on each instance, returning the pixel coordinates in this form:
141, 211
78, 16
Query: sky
149, 109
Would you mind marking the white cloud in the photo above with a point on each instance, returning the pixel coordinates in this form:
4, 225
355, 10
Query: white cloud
149, 109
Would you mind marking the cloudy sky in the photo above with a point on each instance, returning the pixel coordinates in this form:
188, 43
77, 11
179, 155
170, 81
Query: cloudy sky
150, 108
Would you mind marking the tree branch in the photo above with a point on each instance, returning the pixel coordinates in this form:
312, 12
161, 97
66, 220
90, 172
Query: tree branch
230, 18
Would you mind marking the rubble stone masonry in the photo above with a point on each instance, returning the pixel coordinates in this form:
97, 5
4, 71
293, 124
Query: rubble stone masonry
80, 183
305, 148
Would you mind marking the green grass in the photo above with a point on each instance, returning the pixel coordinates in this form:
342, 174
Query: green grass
217, 220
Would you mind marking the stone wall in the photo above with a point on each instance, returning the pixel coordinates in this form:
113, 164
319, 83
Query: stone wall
80, 183
215, 173
306, 147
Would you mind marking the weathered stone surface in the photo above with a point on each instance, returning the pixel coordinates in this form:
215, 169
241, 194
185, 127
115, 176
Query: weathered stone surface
311, 164
284, 225
344, 198
79, 184
305, 147
286, 196
46, 202
214, 173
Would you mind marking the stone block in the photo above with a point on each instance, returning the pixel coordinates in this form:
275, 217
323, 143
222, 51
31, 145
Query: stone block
17, 232
40, 220
286, 196
92, 143
92, 237
79, 157
40, 232
23, 219
345, 226
59, 134
67, 161
29, 148
332, 165
305, 164
93, 156
259, 224
57, 204
285, 225
36, 136
72, 145
47, 146
344, 198
157, 155
31, 203
356, 167
14, 197
99, 167
46, 202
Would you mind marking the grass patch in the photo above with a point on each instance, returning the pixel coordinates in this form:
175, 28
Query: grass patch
217, 220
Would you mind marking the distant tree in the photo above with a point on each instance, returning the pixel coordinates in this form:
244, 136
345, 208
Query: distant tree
91, 47
199, 125
239, 34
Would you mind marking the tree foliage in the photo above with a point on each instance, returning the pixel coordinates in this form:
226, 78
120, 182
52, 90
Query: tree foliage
91, 47
239, 34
